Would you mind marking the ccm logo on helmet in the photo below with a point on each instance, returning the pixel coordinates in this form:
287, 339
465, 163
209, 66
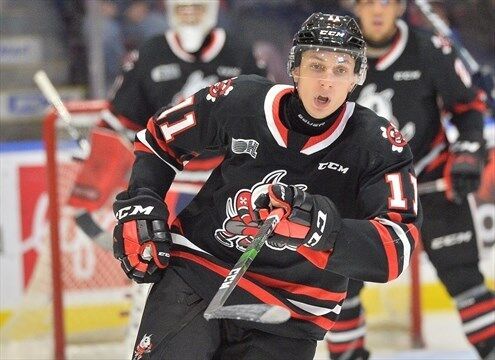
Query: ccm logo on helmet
133, 210
332, 33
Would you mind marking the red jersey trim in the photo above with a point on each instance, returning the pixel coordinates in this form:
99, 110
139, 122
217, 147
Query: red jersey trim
272, 107
299, 289
396, 49
317, 258
215, 46
317, 143
389, 247
254, 289
477, 104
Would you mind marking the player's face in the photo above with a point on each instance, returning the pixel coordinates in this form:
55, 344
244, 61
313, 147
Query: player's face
377, 18
324, 79
190, 14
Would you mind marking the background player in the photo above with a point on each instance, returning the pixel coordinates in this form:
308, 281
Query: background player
342, 174
409, 72
164, 71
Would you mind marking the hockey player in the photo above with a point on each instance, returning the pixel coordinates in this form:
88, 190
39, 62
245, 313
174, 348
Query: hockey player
166, 69
409, 72
343, 176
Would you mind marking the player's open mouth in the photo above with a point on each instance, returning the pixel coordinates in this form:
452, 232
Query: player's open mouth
321, 100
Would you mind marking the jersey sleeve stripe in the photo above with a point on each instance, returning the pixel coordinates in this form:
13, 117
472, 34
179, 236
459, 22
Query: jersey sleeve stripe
138, 146
477, 104
317, 258
141, 136
389, 247
318, 293
406, 246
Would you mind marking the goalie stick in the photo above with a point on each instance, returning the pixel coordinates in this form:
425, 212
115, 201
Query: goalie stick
84, 219
263, 313
53, 97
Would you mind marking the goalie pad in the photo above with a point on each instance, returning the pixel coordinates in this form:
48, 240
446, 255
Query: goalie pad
104, 172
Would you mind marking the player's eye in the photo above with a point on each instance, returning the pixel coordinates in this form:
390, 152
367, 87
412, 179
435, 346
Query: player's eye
341, 70
317, 67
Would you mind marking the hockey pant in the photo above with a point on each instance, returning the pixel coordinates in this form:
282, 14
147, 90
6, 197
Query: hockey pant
449, 240
173, 327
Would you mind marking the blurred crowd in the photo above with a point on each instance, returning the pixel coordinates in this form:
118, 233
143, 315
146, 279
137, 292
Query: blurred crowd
268, 24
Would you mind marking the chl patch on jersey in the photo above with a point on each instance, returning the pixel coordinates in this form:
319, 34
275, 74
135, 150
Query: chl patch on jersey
245, 146
394, 137
222, 88
241, 223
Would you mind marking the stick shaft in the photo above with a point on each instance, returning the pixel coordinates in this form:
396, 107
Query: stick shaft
53, 97
244, 261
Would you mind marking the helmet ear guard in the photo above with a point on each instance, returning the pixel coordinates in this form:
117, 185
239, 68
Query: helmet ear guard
333, 33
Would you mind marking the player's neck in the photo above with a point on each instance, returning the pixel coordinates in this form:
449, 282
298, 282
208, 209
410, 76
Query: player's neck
296, 118
377, 48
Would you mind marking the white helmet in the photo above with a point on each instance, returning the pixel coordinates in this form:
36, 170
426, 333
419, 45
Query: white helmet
191, 37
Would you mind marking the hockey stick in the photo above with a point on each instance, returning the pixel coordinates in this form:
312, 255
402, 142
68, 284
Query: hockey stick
84, 220
431, 187
443, 29
53, 97
263, 313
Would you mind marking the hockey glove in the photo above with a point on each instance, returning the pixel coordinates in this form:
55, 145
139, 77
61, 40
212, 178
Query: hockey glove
463, 170
141, 238
310, 220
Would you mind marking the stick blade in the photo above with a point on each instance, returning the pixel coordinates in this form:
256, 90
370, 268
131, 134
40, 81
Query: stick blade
262, 313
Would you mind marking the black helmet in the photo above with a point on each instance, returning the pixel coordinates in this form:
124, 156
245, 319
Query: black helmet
338, 33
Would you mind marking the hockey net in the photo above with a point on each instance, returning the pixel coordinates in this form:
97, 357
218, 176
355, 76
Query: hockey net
79, 305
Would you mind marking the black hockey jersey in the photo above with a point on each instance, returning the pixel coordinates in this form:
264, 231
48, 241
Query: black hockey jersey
361, 163
412, 83
162, 73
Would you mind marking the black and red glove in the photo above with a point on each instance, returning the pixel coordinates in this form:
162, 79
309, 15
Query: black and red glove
141, 238
463, 169
310, 220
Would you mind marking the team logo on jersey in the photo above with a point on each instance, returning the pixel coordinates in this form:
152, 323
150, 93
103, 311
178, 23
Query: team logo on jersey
242, 146
394, 137
144, 347
222, 88
241, 224
381, 103
195, 82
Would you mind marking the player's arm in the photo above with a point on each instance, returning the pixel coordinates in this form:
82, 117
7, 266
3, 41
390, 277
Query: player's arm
377, 248
466, 104
173, 136
128, 98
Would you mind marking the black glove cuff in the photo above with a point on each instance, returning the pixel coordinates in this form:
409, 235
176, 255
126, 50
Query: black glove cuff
145, 205
324, 211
